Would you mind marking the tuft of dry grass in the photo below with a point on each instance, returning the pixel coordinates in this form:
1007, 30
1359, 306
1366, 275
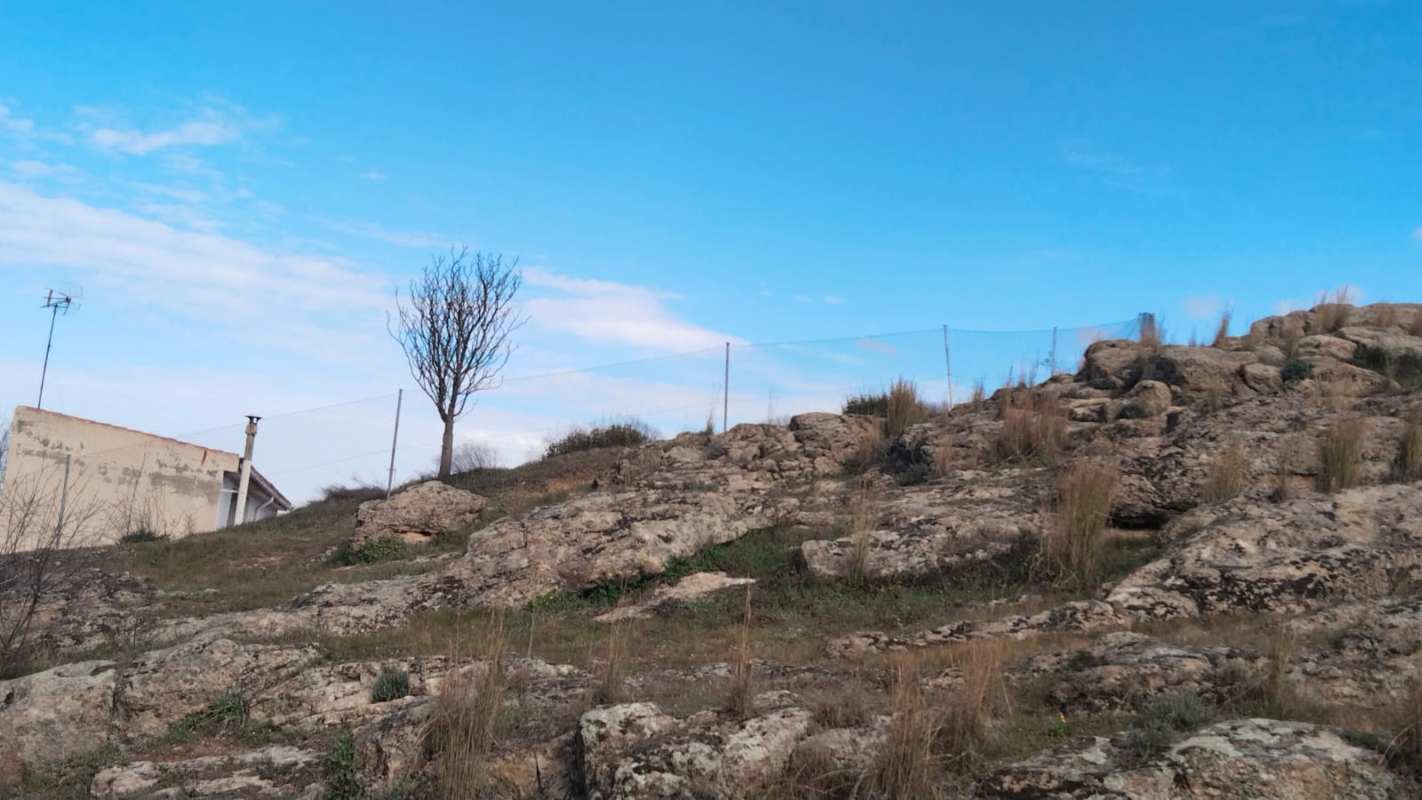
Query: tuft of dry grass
1289, 344
968, 712
1071, 549
979, 395
1410, 452
1152, 335
943, 456
1283, 478
740, 699
1406, 722
861, 525
1332, 395
1033, 427
905, 767
1340, 455
1332, 311
1276, 693
903, 408
463, 727
1227, 475
869, 450
611, 686
1386, 315
1222, 330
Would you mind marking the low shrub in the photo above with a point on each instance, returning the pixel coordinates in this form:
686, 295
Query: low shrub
625, 433
1033, 427
142, 535
371, 551
229, 713
1295, 370
390, 684
1340, 455
341, 768
1160, 722
868, 404
903, 408
337, 492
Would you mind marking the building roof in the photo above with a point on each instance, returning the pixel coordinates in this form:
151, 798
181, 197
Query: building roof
271, 490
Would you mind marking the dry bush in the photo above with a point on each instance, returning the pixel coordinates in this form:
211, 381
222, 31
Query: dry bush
1152, 334
1275, 692
1222, 330
1340, 455
1386, 315
611, 687
905, 767
943, 456
1410, 452
1033, 427
982, 694
740, 700
869, 450
470, 456
903, 408
463, 725
845, 704
1289, 344
1332, 311
1283, 478
1228, 473
979, 395
1071, 550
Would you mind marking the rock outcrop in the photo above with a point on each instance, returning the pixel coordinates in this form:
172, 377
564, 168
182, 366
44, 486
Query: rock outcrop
418, 514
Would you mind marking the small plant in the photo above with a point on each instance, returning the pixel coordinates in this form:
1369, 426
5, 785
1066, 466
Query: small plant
142, 535
1033, 428
1160, 722
1071, 552
969, 711
1340, 455
1274, 690
1227, 475
943, 457
371, 551
1410, 451
870, 447
861, 524
1222, 330
464, 722
390, 684
625, 433
905, 764
229, 713
341, 768
1295, 370
867, 404
740, 700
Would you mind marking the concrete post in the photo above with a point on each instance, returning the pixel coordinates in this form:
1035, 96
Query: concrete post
240, 512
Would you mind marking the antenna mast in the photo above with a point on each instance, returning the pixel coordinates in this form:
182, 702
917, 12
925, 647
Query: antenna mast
55, 302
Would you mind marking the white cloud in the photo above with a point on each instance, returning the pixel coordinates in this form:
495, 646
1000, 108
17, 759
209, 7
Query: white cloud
1116, 169
833, 300
395, 236
212, 125
29, 168
37, 229
604, 311
1417, 234
373, 175
1204, 306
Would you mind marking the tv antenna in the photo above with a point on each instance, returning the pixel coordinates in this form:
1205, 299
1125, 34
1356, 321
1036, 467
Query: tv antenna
56, 302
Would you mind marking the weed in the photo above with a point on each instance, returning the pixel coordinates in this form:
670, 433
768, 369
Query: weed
1405, 748
1295, 370
371, 551
869, 404
979, 395
1340, 455
740, 700
229, 713
1222, 330
970, 709
622, 433
1227, 475
943, 457
390, 684
612, 685
903, 408
1033, 428
869, 450
861, 528
905, 765
1161, 721
1152, 335
341, 768
142, 535
1332, 311
1071, 552
463, 726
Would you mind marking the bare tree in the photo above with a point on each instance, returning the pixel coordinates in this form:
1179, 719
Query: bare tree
455, 331
40, 518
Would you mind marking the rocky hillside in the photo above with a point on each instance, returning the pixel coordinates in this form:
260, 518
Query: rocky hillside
1180, 572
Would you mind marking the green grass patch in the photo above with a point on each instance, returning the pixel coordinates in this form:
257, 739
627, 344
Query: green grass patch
67, 780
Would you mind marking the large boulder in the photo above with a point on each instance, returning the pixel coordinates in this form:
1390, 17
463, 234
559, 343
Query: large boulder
1112, 364
417, 514
51, 715
1262, 759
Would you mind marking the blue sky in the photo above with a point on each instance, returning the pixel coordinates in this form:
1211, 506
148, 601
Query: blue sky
238, 190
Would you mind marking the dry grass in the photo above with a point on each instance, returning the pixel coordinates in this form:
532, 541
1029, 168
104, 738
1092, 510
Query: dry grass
1406, 724
1222, 330
1332, 311
1410, 451
905, 768
1289, 344
980, 697
1386, 316
1332, 395
740, 699
869, 451
463, 726
1071, 550
943, 456
611, 686
979, 395
904, 408
1283, 478
1227, 476
861, 526
1033, 427
1340, 455
1275, 691
1152, 335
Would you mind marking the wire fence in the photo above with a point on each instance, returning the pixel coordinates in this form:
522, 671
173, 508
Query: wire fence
302, 451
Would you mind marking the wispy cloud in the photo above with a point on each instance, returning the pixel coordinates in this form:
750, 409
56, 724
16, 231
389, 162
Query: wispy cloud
211, 125
373, 175
1116, 169
1417, 234
1204, 306
605, 311
30, 168
395, 236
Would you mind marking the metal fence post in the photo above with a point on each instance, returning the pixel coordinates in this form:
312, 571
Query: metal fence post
948, 365
394, 442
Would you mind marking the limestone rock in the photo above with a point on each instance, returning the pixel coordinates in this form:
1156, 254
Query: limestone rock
1112, 364
417, 514
51, 715
274, 771
689, 589
1145, 399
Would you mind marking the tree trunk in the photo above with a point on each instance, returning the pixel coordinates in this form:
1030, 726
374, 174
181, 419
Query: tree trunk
446, 450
